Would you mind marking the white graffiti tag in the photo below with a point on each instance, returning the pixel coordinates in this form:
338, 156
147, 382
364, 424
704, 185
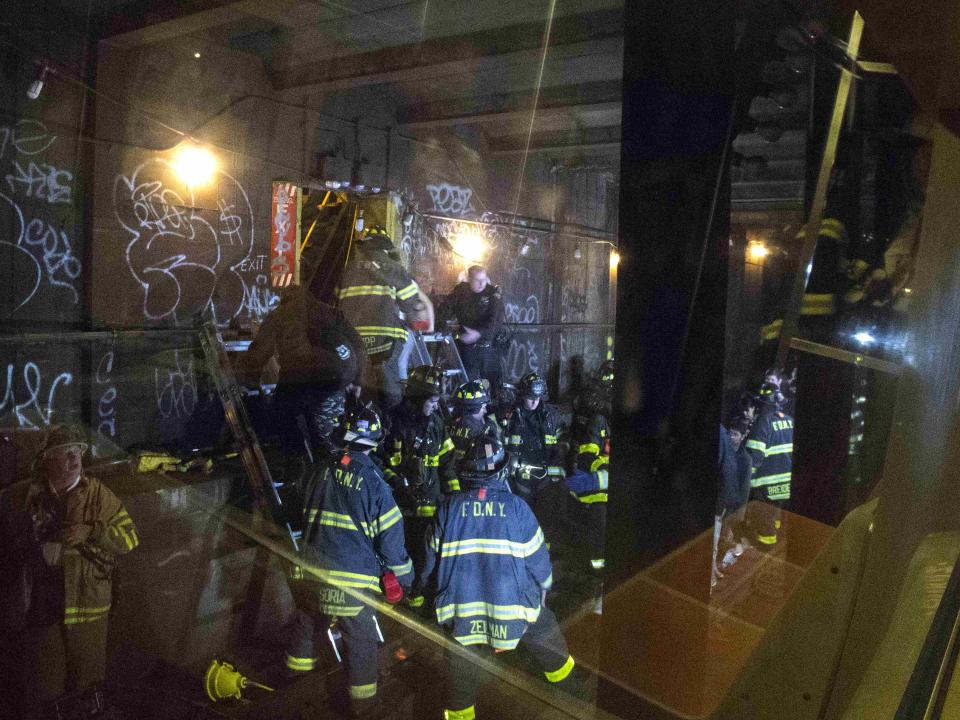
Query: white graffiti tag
34, 409
176, 391
60, 264
106, 408
43, 182
451, 199
26, 137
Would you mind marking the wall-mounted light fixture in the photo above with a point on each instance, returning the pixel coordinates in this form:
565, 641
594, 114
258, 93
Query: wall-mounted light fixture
36, 87
757, 250
195, 165
577, 254
614, 260
469, 244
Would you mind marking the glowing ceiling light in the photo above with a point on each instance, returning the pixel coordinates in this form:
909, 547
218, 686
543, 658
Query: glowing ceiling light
614, 260
195, 165
469, 244
757, 251
197, 55
864, 338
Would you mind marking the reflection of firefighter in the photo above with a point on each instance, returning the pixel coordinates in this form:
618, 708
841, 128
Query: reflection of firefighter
471, 400
770, 445
320, 355
487, 562
353, 534
418, 455
60, 535
591, 447
374, 289
826, 279
532, 439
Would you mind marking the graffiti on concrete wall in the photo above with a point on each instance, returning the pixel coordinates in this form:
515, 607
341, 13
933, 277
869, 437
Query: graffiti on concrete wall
187, 259
32, 398
44, 263
450, 199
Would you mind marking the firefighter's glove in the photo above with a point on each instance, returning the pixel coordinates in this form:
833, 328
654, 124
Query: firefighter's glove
74, 535
581, 482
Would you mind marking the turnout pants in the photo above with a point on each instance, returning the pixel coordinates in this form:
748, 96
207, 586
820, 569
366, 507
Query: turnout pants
544, 641
481, 362
62, 658
359, 642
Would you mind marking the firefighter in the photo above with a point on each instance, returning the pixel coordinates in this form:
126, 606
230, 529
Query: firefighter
532, 439
770, 446
477, 304
471, 400
353, 537
488, 564
418, 457
61, 533
321, 358
374, 290
591, 448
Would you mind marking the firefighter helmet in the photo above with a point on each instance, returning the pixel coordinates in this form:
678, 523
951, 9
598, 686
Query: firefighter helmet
485, 456
605, 372
531, 386
64, 436
424, 381
363, 427
769, 394
377, 236
472, 395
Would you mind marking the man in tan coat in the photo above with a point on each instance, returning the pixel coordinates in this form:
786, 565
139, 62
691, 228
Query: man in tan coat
62, 533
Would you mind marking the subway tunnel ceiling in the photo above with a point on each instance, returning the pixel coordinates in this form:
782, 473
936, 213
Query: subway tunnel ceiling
458, 65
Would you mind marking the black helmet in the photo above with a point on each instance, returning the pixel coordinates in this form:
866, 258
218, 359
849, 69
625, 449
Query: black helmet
377, 236
424, 381
63, 436
605, 372
532, 385
769, 394
363, 427
484, 457
471, 395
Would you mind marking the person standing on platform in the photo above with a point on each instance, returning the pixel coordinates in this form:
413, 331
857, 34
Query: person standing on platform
477, 305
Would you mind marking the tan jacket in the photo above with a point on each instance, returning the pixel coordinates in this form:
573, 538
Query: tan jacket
87, 568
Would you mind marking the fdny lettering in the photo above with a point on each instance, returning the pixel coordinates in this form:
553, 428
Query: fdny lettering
483, 509
348, 479
481, 627
782, 425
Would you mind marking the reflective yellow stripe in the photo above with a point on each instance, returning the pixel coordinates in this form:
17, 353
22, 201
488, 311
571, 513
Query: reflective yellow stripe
416, 601
779, 449
453, 485
602, 479
767, 539
771, 331
514, 440
337, 520
388, 519
549, 439
477, 639
407, 567
757, 445
561, 673
76, 615
363, 692
396, 459
446, 447
378, 330
589, 499
426, 510
494, 547
347, 579
497, 612
465, 714
408, 292
312, 515
599, 463
762, 480
818, 304
301, 664
361, 290
591, 448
